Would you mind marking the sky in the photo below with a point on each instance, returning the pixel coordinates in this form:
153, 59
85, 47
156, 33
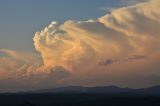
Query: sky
54, 43
21, 19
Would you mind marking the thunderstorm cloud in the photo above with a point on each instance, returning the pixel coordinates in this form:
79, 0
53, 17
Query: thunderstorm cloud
127, 41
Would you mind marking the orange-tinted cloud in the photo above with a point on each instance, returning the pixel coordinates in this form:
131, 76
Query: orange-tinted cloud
121, 48
127, 31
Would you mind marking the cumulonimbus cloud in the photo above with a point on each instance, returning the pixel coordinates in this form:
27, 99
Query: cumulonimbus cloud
127, 41
124, 32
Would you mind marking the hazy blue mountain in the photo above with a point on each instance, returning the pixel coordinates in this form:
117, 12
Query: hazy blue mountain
99, 89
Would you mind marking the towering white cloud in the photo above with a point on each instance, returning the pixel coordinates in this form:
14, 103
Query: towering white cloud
116, 49
126, 31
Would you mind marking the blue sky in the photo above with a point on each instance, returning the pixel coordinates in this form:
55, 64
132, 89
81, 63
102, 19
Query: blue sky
20, 19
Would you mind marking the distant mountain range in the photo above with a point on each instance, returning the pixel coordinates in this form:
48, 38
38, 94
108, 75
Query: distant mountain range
100, 89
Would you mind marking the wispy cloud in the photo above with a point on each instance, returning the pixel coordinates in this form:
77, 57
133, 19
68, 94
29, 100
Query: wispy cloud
106, 62
121, 3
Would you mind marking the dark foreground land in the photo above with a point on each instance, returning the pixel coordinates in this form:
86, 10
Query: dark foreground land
78, 99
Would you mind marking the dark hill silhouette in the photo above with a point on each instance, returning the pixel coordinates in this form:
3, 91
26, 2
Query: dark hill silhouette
155, 90
100, 89
84, 96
